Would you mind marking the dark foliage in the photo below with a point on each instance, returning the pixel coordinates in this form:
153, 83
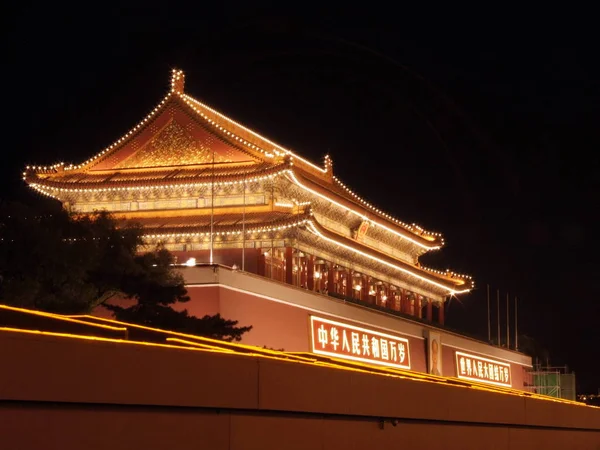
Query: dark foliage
164, 317
54, 261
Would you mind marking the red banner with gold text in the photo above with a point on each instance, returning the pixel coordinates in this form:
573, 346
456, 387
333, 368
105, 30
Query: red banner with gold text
484, 370
345, 341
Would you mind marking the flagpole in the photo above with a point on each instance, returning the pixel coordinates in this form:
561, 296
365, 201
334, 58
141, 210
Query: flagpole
244, 226
507, 323
488, 315
212, 207
498, 315
516, 334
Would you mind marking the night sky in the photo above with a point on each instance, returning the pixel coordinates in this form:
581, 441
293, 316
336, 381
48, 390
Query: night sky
487, 135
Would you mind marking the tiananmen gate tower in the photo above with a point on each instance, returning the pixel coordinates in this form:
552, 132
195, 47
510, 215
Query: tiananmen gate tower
270, 239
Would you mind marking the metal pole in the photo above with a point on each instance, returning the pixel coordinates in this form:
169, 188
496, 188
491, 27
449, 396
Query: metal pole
488, 315
498, 315
244, 228
212, 207
507, 323
516, 334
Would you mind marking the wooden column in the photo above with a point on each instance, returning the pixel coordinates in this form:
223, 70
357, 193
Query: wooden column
262, 264
348, 292
289, 265
418, 312
331, 279
318, 279
364, 292
396, 298
441, 314
302, 271
310, 269
429, 310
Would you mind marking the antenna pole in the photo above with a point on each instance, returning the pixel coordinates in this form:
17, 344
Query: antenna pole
507, 323
244, 227
488, 315
516, 334
212, 208
498, 315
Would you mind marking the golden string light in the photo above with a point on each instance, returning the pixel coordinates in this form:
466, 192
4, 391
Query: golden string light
446, 272
284, 204
432, 246
198, 344
44, 188
277, 149
238, 232
311, 226
313, 229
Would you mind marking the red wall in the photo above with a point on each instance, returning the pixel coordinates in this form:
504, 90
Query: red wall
448, 364
275, 325
284, 327
98, 395
204, 301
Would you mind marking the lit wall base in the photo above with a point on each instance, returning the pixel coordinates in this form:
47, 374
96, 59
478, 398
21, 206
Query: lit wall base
100, 394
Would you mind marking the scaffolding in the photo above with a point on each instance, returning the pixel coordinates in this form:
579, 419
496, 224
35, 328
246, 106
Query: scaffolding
556, 382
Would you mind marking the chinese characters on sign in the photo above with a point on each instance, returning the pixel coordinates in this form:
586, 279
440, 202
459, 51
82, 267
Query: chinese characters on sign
360, 233
476, 368
359, 344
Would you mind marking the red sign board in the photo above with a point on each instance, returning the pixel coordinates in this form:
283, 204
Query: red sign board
484, 370
362, 230
345, 341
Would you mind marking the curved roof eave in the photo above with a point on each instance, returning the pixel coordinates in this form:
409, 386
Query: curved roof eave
326, 194
452, 286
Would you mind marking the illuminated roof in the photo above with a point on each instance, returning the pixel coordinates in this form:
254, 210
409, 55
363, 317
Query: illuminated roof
146, 159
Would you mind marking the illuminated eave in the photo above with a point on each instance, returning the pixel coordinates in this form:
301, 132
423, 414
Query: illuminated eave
451, 284
57, 192
233, 231
458, 285
412, 227
409, 236
54, 189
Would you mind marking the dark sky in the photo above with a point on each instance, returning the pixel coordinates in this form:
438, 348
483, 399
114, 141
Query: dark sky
488, 134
